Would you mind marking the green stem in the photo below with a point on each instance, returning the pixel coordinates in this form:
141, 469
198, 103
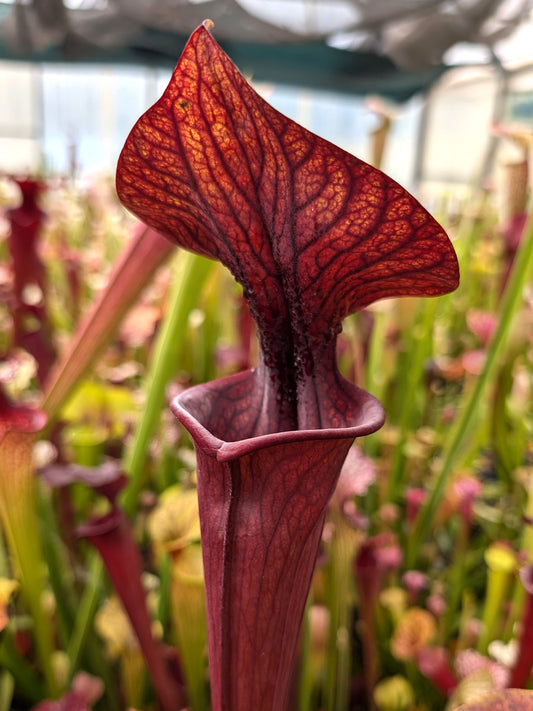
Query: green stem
461, 430
339, 597
501, 567
374, 379
305, 686
81, 642
7, 687
33, 587
59, 573
188, 622
86, 611
18, 516
456, 580
190, 276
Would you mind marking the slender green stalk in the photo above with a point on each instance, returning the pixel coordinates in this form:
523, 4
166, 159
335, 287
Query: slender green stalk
32, 584
86, 610
189, 622
340, 596
80, 641
375, 381
4, 564
501, 565
59, 574
460, 432
456, 581
374, 361
165, 589
189, 279
7, 686
343, 668
18, 517
339, 648
305, 686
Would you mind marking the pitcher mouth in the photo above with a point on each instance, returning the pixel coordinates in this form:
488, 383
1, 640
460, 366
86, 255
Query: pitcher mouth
209, 411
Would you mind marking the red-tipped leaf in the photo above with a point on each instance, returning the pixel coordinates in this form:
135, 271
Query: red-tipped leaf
145, 252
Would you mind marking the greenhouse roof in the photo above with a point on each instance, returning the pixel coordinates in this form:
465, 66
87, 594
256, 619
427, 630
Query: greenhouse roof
395, 48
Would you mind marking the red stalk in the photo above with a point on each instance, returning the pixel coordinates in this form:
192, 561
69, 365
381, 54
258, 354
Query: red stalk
434, 663
30, 322
145, 252
112, 536
375, 558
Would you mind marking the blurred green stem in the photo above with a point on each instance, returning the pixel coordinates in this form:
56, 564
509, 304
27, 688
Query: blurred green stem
189, 622
456, 580
189, 279
18, 517
501, 566
86, 610
81, 643
461, 430
305, 686
375, 382
7, 686
374, 362
340, 595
